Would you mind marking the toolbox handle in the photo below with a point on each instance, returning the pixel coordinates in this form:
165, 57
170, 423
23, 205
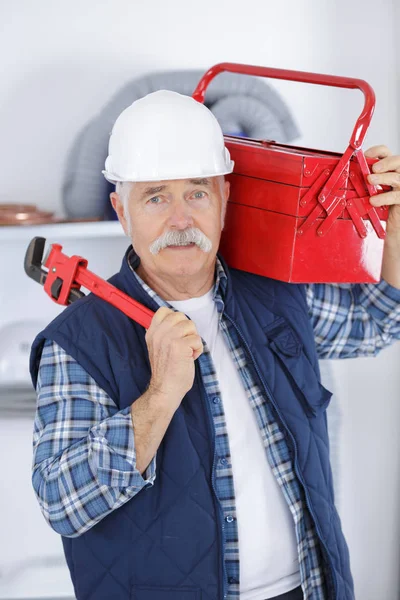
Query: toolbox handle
363, 120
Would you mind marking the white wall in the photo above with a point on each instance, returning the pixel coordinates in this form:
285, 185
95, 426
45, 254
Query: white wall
62, 61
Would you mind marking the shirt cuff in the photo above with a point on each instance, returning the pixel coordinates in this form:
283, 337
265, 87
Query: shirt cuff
383, 296
382, 301
113, 455
149, 474
391, 292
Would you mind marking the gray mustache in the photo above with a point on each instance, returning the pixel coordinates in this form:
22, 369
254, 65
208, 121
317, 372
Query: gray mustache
182, 238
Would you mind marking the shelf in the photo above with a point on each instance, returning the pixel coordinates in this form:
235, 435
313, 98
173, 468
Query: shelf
17, 399
62, 231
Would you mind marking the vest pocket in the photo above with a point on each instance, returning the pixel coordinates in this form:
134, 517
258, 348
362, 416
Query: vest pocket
145, 592
288, 349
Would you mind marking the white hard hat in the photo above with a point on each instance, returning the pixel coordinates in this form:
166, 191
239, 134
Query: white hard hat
166, 135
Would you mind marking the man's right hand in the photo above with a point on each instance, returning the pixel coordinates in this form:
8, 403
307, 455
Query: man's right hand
173, 344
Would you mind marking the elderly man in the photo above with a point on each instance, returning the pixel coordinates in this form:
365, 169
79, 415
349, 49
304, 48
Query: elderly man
191, 461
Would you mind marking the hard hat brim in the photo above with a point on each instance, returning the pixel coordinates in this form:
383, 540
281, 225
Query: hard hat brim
112, 178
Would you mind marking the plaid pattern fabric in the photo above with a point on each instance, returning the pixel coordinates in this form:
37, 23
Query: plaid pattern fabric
353, 320
84, 447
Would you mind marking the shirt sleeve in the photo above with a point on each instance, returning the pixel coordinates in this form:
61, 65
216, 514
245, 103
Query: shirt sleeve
84, 459
353, 320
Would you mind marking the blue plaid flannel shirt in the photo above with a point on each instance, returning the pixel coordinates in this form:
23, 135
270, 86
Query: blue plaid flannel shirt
84, 451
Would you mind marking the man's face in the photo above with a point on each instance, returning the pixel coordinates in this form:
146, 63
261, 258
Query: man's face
156, 208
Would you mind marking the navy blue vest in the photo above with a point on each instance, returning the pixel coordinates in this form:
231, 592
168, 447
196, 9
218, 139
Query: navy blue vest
165, 543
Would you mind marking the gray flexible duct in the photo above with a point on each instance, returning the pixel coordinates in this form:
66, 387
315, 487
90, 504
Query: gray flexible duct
242, 104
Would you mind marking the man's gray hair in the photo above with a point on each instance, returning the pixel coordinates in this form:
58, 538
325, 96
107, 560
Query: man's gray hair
123, 189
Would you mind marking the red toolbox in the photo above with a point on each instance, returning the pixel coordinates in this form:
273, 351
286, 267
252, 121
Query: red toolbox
297, 214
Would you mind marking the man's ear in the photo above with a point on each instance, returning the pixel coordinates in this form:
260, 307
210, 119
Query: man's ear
118, 206
227, 187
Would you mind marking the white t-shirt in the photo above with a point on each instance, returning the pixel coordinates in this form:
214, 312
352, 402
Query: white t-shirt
267, 542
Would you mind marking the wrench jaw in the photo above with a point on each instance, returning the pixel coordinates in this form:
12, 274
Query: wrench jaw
73, 295
33, 265
33, 260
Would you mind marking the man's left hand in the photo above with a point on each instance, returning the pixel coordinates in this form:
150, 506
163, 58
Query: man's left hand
387, 172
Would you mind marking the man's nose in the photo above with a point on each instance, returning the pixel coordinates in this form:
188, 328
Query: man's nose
181, 216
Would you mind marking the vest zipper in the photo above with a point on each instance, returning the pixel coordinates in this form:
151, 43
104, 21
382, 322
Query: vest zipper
217, 503
270, 398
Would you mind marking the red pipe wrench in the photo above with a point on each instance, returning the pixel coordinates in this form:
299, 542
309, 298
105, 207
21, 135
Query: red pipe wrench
66, 274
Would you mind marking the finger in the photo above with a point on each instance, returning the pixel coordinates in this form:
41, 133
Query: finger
391, 179
378, 152
183, 329
391, 163
168, 322
193, 345
175, 317
162, 318
387, 199
160, 315
198, 353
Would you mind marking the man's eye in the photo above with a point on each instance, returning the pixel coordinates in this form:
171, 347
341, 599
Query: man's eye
199, 195
155, 200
